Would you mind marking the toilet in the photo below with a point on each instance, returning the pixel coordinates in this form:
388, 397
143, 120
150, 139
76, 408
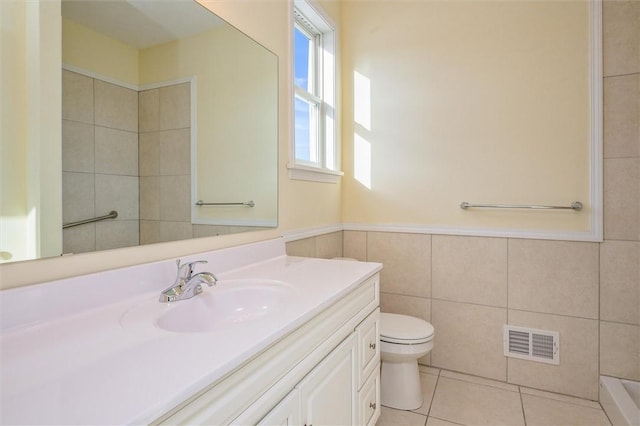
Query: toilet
403, 339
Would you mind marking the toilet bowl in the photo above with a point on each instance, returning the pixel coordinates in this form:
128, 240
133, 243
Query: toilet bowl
403, 339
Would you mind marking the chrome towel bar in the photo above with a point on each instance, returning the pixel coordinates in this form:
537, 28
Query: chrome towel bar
112, 215
246, 203
576, 205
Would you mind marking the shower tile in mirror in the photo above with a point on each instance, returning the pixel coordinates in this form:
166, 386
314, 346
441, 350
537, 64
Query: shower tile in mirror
77, 97
116, 151
116, 106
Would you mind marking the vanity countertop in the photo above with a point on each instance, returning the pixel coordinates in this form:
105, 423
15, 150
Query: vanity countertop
101, 364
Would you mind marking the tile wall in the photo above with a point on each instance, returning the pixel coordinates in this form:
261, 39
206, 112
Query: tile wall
469, 287
620, 252
99, 163
165, 164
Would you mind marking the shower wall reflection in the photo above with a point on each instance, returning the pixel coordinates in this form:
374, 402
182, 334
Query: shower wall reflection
127, 151
99, 163
165, 163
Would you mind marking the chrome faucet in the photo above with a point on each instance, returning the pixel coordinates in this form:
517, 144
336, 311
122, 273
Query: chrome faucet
187, 285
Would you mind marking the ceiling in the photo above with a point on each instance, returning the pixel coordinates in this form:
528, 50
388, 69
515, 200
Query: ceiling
141, 23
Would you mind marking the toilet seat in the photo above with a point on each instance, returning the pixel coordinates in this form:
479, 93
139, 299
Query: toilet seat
404, 330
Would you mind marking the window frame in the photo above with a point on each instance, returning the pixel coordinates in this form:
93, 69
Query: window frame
313, 23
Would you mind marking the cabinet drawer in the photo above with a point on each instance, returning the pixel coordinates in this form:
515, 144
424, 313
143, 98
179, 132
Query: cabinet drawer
369, 400
368, 346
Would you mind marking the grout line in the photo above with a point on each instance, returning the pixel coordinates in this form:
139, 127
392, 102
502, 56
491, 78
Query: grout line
620, 75
564, 401
448, 421
433, 397
599, 310
489, 385
524, 416
506, 364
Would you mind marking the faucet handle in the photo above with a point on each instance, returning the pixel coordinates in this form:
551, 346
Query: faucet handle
186, 270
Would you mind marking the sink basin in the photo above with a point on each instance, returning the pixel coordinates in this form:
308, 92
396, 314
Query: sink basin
230, 303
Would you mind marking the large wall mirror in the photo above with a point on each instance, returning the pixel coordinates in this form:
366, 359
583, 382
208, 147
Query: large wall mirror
169, 118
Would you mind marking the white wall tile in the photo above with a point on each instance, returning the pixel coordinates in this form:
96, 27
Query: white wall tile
468, 338
329, 245
406, 259
622, 199
620, 350
355, 244
470, 269
77, 147
116, 151
115, 106
120, 193
557, 277
622, 116
620, 281
305, 247
77, 97
621, 32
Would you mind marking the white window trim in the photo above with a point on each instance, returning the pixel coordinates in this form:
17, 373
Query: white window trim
301, 170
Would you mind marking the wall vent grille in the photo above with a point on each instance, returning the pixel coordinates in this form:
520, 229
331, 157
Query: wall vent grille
532, 344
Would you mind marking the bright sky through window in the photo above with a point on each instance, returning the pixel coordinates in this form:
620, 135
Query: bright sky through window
303, 110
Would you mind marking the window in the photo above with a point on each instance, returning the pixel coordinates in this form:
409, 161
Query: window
314, 151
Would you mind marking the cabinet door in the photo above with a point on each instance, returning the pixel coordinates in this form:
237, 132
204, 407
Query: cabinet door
369, 400
368, 346
328, 395
286, 413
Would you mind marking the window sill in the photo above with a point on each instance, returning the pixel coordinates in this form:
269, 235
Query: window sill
313, 174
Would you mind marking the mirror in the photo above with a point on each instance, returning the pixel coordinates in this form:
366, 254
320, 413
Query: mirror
163, 105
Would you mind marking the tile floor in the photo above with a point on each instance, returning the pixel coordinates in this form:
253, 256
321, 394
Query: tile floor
458, 399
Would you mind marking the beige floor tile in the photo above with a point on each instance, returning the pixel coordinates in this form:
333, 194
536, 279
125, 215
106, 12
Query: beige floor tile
428, 384
560, 397
434, 421
544, 411
470, 403
391, 417
479, 380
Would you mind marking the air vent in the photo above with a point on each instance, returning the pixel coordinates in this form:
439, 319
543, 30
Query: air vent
532, 344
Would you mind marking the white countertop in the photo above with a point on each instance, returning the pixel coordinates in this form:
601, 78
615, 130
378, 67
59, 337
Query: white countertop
97, 364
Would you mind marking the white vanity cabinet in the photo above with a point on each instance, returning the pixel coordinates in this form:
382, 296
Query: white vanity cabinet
327, 394
326, 372
369, 369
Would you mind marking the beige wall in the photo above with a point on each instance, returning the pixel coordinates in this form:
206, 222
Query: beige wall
104, 56
486, 102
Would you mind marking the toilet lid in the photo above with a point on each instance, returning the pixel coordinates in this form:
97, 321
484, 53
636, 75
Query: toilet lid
396, 328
